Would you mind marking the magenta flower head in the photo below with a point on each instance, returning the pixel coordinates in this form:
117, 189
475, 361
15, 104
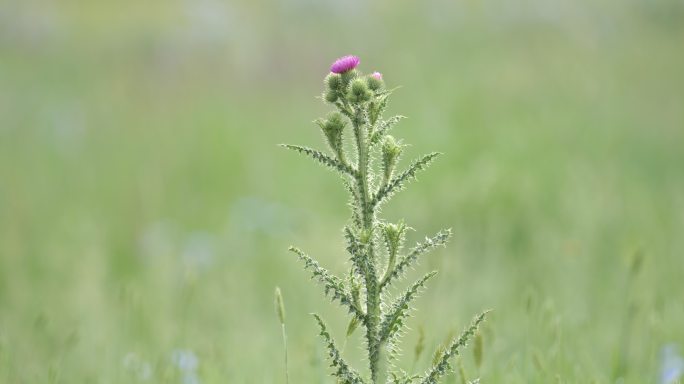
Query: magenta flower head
344, 64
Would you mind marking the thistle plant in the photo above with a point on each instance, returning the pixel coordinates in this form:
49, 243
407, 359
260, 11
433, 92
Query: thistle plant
366, 157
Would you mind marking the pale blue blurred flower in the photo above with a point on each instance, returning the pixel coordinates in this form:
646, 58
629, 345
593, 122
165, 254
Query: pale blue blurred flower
253, 214
139, 368
671, 364
199, 250
185, 360
157, 240
210, 21
190, 378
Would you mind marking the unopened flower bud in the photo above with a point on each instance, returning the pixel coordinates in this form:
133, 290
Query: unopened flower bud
394, 236
391, 151
365, 236
375, 81
333, 81
332, 128
358, 91
331, 96
348, 76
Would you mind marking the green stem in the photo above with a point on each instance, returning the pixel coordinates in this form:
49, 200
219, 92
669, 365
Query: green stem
375, 349
390, 267
287, 371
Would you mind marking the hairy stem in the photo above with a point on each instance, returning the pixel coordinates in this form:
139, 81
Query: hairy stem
375, 354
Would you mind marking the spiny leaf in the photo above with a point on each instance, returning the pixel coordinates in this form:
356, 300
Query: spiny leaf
429, 244
342, 370
383, 127
357, 250
332, 284
442, 365
399, 309
377, 107
398, 182
322, 158
354, 203
344, 108
403, 378
361, 257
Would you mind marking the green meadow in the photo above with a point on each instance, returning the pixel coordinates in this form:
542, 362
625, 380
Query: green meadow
146, 210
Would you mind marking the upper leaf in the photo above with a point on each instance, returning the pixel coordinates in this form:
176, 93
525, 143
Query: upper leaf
383, 127
399, 309
398, 181
404, 262
332, 284
323, 158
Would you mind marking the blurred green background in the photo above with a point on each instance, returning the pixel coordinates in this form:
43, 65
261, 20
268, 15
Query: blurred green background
145, 210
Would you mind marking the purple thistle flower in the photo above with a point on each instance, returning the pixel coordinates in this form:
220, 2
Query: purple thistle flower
344, 64
376, 75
